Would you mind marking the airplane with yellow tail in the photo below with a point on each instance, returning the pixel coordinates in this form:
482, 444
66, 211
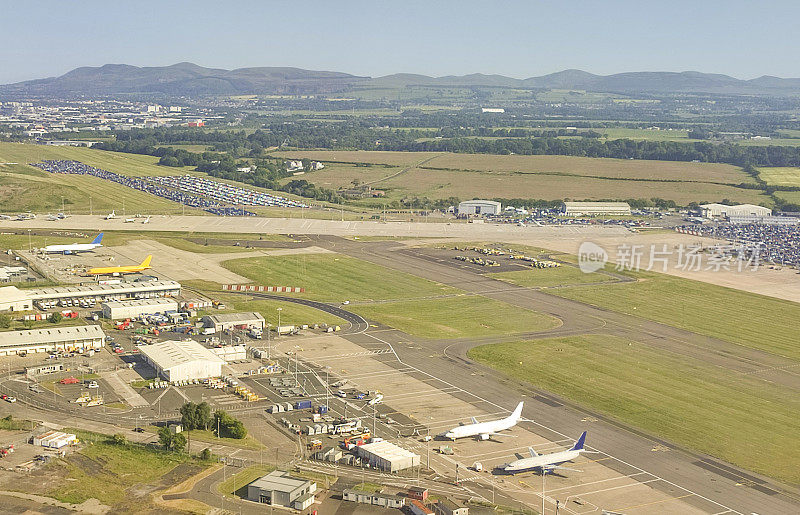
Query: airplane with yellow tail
118, 270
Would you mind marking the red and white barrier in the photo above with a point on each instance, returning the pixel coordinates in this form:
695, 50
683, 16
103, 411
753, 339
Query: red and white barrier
257, 288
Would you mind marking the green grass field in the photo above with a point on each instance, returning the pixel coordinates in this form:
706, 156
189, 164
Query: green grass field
291, 313
552, 277
335, 278
739, 317
106, 471
237, 483
456, 317
691, 403
780, 175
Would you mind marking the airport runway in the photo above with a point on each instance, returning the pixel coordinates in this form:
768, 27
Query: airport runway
704, 479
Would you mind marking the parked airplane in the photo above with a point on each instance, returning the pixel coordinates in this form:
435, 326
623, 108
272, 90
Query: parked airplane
548, 462
111, 215
485, 430
75, 247
117, 270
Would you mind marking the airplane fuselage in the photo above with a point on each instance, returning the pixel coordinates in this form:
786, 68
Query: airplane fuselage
543, 461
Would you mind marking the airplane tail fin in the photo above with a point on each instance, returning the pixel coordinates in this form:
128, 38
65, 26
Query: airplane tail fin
98, 239
517, 412
147, 260
579, 443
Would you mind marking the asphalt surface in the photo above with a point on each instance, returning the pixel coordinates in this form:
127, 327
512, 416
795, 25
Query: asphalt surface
711, 480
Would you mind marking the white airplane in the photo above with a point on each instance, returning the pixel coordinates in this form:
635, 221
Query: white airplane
75, 247
548, 462
111, 215
485, 430
146, 220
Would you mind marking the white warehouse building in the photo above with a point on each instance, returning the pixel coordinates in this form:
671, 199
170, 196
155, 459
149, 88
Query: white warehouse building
82, 337
388, 456
225, 321
596, 208
723, 211
182, 360
479, 207
119, 309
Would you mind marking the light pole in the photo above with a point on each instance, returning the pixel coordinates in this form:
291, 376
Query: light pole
269, 346
62, 203
30, 247
279, 317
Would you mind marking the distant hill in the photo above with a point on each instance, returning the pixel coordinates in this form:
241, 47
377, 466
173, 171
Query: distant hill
187, 79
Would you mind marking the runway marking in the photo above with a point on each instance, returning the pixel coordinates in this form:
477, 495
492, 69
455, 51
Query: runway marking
549, 429
637, 483
598, 481
654, 502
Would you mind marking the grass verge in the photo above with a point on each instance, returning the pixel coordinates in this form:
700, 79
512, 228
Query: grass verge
456, 317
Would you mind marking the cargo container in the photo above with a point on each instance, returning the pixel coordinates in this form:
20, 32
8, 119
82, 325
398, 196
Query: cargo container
306, 404
322, 409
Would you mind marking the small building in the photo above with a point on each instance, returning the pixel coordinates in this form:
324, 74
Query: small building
387, 456
417, 508
55, 439
448, 507
479, 207
14, 299
120, 309
492, 110
373, 498
418, 493
596, 209
225, 321
278, 488
231, 352
68, 339
330, 453
723, 211
182, 360
40, 370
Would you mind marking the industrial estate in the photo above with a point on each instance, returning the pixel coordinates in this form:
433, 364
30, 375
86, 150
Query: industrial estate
273, 290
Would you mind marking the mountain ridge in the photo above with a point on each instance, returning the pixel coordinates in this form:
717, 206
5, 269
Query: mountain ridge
189, 79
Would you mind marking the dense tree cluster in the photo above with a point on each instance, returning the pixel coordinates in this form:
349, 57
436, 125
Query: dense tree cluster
227, 426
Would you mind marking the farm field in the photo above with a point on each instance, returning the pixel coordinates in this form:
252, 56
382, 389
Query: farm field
566, 165
455, 317
541, 177
438, 184
735, 316
335, 176
780, 176
789, 196
699, 406
335, 278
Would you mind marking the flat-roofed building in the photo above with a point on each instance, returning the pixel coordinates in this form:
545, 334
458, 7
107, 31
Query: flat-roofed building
14, 299
479, 207
374, 498
224, 321
182, 360
122, 291
118, 309
388, 456
723, 211
278, 488
448, 507
68, 339
596, 209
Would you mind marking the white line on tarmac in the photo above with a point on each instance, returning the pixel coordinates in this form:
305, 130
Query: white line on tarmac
553, 430
551, 490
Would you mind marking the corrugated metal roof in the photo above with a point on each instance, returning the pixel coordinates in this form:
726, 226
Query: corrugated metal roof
101, 289
172, 353
141, 302
54, 335
228, 318
279, 481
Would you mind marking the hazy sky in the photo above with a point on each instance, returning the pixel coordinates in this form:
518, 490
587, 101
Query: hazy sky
521, 39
